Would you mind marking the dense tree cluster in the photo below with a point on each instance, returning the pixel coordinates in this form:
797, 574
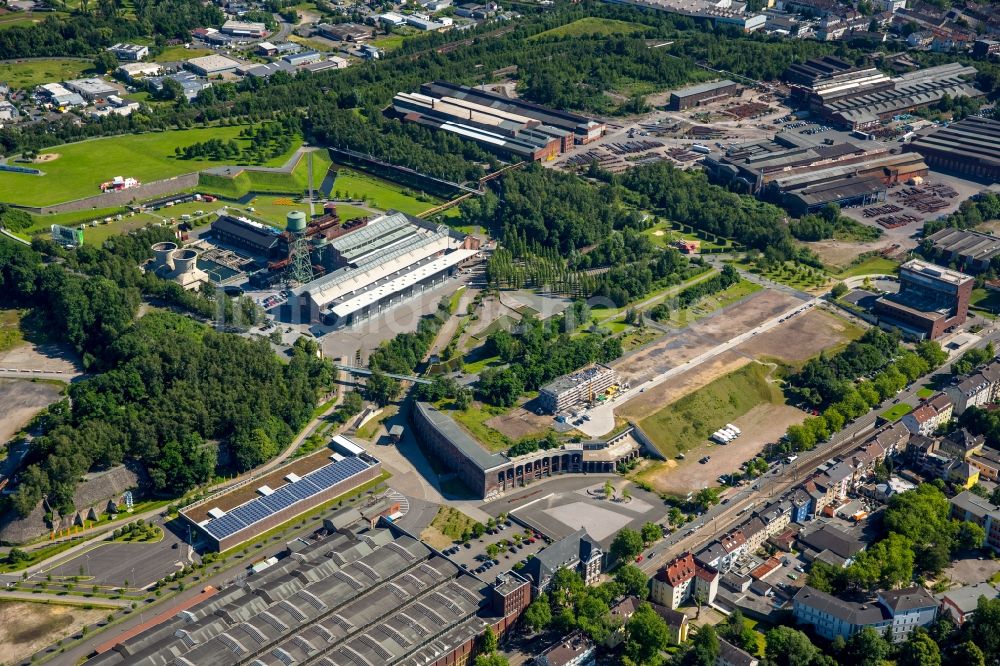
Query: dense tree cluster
689, 198
829, 223
866, 373
83, 33
169, 386
538, 353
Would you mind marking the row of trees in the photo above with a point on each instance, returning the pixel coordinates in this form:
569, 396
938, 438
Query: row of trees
869, 371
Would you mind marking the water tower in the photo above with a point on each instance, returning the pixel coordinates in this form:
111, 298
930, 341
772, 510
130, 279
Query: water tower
300, 269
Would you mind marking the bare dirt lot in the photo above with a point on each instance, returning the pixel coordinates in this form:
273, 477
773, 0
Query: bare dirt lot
521, 422
841, 253
802, 337
21, 400
762, 424
26, 628
44, 357
703, 335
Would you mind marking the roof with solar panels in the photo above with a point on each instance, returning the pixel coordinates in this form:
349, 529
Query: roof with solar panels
298, 481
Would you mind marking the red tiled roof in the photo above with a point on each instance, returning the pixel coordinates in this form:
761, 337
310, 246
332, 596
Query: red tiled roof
680, 570
733, 540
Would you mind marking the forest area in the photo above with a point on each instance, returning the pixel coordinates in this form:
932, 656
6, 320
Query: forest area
171, 393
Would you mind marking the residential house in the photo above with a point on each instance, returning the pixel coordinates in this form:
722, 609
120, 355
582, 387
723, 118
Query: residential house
901, 610
962, 444
683, 578
988, 462
755, 533
961, 602
776, 517
722, 553
929, 416
802, 505
963, 474
574, 650
832, 540
977, 389
969, 506
909, 608
577, 552
624, 609
730, 655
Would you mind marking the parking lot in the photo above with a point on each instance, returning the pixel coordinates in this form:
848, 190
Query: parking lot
515, 544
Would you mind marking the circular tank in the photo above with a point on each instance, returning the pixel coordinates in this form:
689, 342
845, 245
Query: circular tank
184, 260
296, 221
161, 254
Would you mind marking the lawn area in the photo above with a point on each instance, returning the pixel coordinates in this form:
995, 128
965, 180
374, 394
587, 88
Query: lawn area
687, 423
474, 420
476, 366
248, 180
381, 193
80, 168
664, 234
710, 304
896, 412
176, 53
925, 392
986, 301
30, 73
10, 329
389, 43
448, 526
314, 44
25, 19
870, 266
591, 26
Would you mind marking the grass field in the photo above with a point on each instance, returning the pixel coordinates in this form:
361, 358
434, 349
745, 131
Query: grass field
687, 423
896, 412
448, 526
925, 392
390, 43
710, 304
474, 420
664, 234
381, 193
25, 19
248, 181
985, 301
870, 266
81, 167
592, 26
10, 329
30, 73
176, 53
795, 275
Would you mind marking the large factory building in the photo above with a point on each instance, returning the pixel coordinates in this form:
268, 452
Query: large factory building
863, 97
392, 258
509, 127
805, 178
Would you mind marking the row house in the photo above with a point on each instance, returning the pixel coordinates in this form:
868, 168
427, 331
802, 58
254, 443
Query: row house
681, 580
722, 553
987, 461
929, 416
977, 389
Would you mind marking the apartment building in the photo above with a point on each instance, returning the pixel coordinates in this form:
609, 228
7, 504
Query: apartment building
681, 579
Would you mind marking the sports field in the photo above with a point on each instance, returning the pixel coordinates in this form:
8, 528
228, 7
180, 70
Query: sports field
79, 168
31, 73
592, 25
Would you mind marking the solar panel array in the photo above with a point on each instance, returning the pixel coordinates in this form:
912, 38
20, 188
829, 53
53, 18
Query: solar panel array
309, 485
